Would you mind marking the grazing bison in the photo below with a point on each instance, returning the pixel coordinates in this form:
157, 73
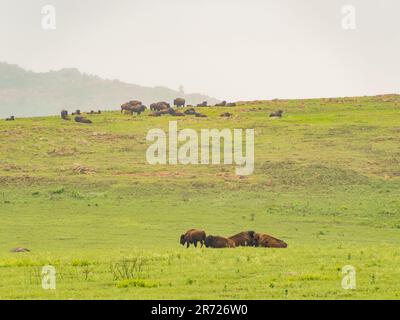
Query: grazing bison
159, 106
219, 242
179, 102
82, 119
12, 118
221, 104
193, 236
203, 104
276, 114
267, 241
127, 106
245, 239
64, 115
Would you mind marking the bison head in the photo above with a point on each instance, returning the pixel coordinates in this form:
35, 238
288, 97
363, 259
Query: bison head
209, 241
252, 238
182, 240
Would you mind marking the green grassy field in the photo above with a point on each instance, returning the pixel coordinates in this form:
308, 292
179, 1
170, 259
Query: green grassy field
84, 199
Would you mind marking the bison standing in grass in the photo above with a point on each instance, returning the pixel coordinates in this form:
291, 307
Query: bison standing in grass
245, 239
126, 107
193, 236
221, 104
179, 102
64, 115
138, 109
267, 241
219, 242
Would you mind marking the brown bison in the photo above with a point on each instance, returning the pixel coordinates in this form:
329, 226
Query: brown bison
276, 114
190, 112
64, 115
159, 106
221, 104
219, 242
226, 115
203, 104
126, 107
138, 109
267, 241
12, 118
200, 115
82, 119
245, 239
193, 236
179, 102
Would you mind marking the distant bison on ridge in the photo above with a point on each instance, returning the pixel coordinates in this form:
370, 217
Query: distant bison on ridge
221, 104
159, 106
82, 120
179, 102
64, 115
203, 104
127, 106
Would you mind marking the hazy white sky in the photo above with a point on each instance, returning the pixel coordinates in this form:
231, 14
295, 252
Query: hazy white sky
229, 49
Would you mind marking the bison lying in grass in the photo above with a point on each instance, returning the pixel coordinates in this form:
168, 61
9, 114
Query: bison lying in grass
219, 242
244, 239
193, 236
82, 119
267, 241
276, 114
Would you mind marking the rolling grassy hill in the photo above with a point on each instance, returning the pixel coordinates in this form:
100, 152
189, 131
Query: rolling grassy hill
84, 199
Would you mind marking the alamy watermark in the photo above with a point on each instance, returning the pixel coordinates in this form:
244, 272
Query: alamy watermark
49, 278
49, 17
349, 21
349, 278
195, 150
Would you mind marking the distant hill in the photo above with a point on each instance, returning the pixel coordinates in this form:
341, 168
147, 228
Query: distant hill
25, 93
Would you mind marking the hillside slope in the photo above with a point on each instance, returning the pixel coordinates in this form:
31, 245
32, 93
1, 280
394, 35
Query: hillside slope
84, 199
25, 93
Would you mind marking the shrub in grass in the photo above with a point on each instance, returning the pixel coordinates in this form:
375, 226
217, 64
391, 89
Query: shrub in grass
140, 283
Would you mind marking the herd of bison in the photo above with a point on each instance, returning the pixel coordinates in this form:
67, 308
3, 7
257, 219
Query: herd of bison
245, 239
157, 110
